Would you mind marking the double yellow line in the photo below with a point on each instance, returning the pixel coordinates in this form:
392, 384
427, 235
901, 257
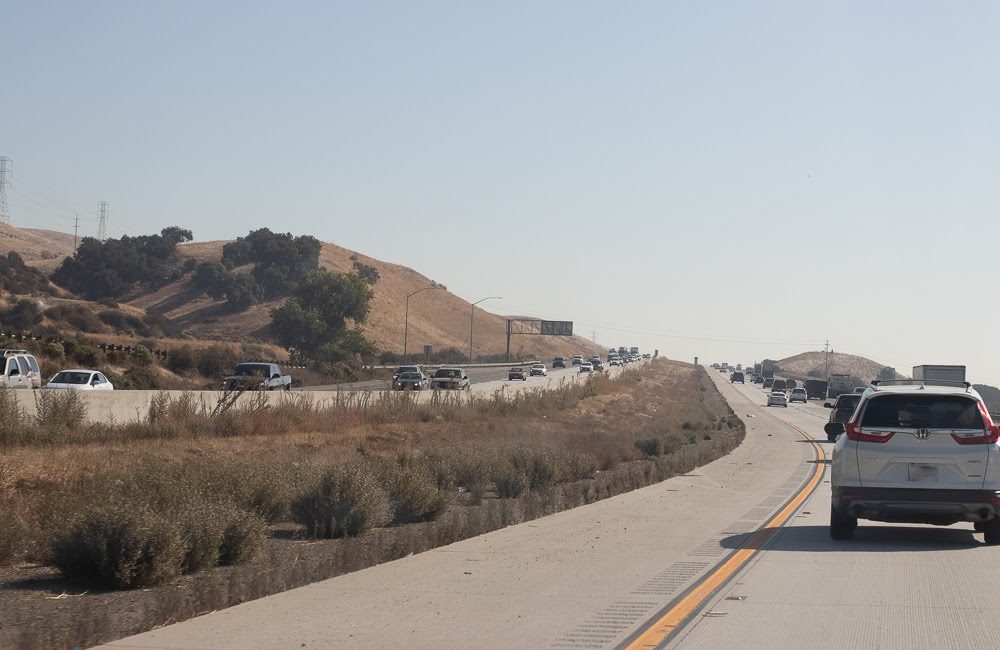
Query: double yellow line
662, 628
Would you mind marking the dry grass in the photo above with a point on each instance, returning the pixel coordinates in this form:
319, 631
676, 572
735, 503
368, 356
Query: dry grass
379, 477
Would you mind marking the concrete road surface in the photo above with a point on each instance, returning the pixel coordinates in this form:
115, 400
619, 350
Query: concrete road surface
605, 574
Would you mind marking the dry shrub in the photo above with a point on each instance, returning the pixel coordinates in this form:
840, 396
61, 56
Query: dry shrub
202, 528
540, 466
242, 538
650, 447
120, 546
12, 419
59, 414
146, 524
343, 501
11, 533
413, 493
510, 480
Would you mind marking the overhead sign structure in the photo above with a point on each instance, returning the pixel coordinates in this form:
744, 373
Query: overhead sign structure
537, 327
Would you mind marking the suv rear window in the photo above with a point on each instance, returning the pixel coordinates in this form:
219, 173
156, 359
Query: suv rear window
845, 402
922, 412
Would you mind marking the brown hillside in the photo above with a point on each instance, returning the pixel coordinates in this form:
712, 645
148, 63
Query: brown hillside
437, 317
800, 365
43, 249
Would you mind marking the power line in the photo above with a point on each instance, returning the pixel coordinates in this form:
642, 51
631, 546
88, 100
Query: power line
4, 182
102, 221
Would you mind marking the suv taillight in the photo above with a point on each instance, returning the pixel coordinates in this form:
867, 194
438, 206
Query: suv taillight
990, 437
854, 432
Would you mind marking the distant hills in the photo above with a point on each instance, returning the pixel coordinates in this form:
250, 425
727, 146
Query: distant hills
437, 317
813, 364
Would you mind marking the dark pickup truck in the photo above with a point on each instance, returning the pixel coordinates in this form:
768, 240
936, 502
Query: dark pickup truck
815, 388
257, 376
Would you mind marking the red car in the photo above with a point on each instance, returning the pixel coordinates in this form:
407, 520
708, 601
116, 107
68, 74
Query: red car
517, 373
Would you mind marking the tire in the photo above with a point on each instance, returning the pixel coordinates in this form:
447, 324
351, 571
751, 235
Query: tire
841, 526
991, 531
288, 387
979, 526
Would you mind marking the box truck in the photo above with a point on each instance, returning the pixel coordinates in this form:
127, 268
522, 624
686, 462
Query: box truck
930, 374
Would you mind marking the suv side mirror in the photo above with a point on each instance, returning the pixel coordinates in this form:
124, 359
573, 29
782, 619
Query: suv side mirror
834, 429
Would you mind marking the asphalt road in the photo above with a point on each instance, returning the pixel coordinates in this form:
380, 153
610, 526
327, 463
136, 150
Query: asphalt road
613, 573
483, 379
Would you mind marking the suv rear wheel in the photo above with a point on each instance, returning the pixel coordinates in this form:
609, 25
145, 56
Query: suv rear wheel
842, 526
991, 531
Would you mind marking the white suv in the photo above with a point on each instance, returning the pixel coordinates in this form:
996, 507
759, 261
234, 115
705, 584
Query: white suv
916, 453
20, 370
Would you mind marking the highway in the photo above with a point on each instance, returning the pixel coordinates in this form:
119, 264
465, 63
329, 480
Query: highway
734, 555
478, 377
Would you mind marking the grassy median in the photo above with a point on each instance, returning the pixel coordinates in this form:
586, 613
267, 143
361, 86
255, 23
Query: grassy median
118, 529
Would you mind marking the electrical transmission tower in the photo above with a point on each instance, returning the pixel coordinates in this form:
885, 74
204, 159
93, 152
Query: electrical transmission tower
102, 221
5, 172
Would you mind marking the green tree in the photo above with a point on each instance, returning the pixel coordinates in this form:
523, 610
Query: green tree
280, 261
110, 268
367, 272
318, 318
22, 315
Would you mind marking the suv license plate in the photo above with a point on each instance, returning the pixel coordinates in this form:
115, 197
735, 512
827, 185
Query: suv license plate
923, 472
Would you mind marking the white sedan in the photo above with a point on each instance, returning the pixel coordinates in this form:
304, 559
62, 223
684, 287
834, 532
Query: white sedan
586, 367
777, 398
537, 369
79, 380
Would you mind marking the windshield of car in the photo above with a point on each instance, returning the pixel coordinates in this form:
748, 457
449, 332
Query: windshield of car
71, 377
252, 370
848, 402
922, 412
410, 375
447, 373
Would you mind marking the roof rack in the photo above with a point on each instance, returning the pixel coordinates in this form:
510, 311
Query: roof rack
7, 351
876, 383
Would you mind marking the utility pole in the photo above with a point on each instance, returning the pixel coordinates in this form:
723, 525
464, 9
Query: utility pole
76, 230
472, 317
593, 336
406, 318
102, 220
826, 350
5, 172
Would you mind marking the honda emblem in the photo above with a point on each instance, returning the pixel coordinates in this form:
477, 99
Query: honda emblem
922, 434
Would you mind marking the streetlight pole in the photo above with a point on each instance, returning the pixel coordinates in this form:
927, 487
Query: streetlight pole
406, 317
472, 316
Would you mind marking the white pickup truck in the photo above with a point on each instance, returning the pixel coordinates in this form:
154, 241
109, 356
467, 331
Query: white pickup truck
257, 376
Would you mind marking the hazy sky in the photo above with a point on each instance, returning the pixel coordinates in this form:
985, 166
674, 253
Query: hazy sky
730, 180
